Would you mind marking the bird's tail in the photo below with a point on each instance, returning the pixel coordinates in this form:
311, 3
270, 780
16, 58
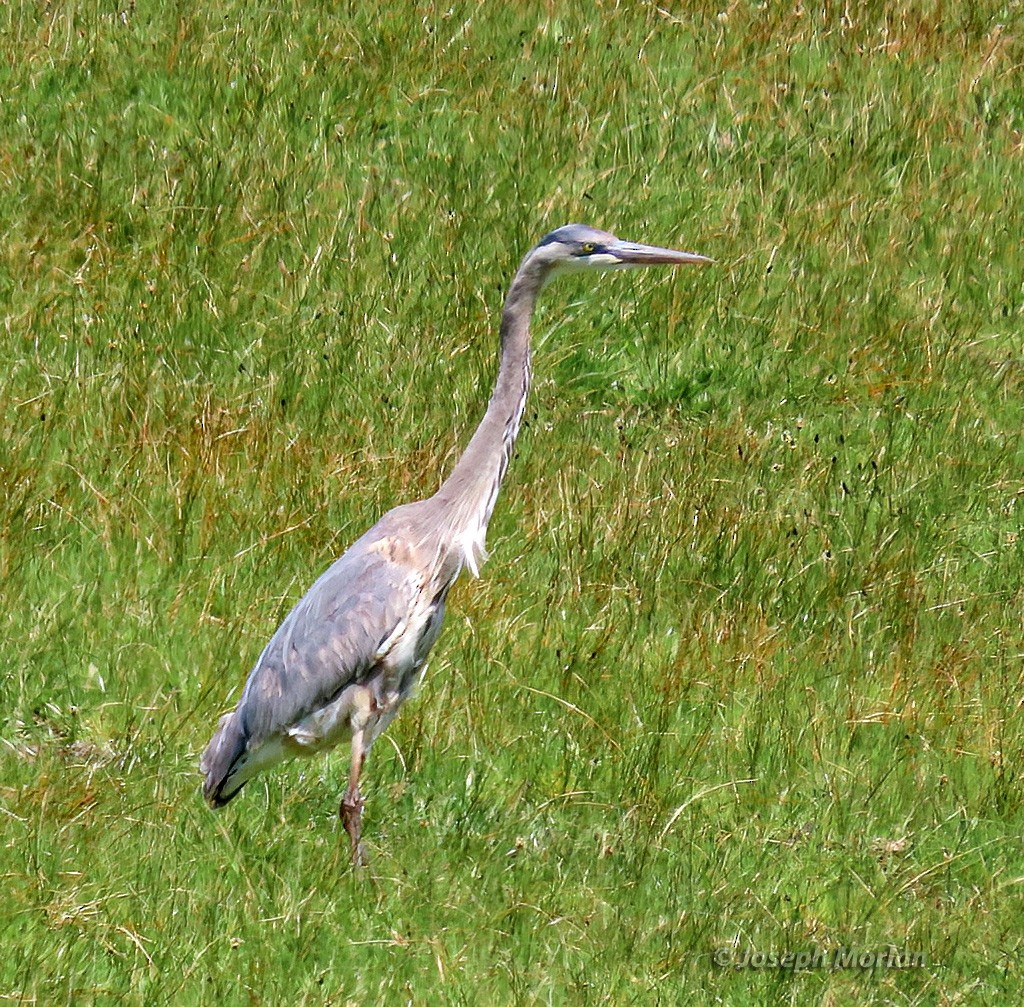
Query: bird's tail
221, 759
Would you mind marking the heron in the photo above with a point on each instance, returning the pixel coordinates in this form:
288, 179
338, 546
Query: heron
356, 644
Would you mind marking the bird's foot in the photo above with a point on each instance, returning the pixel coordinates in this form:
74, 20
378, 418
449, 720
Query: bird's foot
351, 814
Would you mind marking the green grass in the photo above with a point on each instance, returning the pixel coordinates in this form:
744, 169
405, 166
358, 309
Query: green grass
745, 669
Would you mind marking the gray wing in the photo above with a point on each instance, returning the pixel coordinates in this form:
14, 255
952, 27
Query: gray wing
333, 636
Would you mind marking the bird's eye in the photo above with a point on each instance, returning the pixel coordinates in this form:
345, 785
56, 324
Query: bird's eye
586, 248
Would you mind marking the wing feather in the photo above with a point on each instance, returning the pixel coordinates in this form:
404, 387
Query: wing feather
359, 616
335, 634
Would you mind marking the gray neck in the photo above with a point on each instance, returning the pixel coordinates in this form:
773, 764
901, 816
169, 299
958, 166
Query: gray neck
468, 495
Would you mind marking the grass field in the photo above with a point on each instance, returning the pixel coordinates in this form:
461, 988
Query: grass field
744, 672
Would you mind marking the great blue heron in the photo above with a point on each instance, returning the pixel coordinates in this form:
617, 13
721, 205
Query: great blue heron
355, 646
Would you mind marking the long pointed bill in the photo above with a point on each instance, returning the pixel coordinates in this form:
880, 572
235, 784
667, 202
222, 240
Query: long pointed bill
628, 253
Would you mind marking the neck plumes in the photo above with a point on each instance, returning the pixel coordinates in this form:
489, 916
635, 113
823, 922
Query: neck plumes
470, 492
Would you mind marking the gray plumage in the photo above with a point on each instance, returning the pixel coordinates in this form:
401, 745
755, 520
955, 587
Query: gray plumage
354, 647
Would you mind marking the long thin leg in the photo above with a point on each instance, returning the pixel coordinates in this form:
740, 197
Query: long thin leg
351, 810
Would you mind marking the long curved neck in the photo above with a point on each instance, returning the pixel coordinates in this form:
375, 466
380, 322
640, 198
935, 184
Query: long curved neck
468, 495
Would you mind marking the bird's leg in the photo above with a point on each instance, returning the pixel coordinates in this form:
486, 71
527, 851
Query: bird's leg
351, 810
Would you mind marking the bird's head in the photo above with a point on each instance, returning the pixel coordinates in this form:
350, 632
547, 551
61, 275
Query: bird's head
578, 247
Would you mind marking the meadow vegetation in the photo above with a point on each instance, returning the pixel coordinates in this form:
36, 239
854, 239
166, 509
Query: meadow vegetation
744, 671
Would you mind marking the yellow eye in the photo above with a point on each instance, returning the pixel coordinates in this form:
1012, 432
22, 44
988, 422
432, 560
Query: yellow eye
586, 248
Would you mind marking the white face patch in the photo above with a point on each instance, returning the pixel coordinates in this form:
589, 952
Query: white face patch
599, 260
